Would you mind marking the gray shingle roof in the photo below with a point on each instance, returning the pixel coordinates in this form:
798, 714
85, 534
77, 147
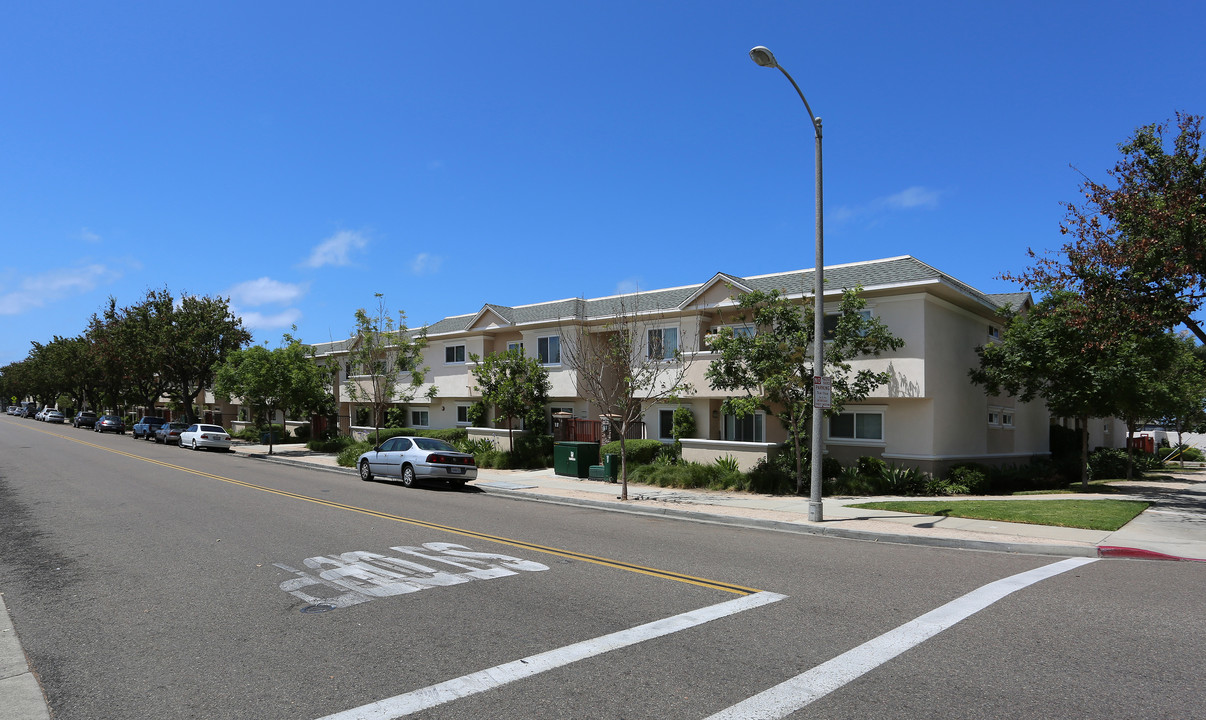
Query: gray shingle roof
889, 272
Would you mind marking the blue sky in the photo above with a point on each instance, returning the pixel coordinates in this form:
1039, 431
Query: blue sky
299, 157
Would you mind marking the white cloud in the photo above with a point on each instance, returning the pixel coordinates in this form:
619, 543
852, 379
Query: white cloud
913, 197
260, 321
625, 287
425, 264
336, 249
37, 290
265, 291
88, 236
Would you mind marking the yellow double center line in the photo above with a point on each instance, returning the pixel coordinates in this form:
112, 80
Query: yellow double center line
666, 574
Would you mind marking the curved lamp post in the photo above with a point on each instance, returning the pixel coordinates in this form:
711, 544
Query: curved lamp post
765, 58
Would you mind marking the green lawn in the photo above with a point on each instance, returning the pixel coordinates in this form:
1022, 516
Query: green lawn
1087, 514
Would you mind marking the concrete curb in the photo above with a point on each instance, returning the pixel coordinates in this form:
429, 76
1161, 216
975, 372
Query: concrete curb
753, 523
22, 694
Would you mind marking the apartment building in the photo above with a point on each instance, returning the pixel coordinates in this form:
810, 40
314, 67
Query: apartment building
927, 415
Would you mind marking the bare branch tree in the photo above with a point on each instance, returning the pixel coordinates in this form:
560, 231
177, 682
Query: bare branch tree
624, 363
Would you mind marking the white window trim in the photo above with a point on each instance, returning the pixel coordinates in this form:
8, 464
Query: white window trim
546, 337
417, 425
997, 417
868, 311
464, 352
515, 345
724, 426
880, 410
678, 341
459, 422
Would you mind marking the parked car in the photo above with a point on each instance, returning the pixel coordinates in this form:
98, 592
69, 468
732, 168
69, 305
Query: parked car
417, 458
169, 433
40, 414
54, 416
145, 427
84, 418
205, 436
110, 423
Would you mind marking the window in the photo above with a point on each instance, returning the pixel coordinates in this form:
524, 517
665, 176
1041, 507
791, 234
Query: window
347, 369
515, 346
1000, 417
548, 350
462, 414
418, 418
994, 417
454, 354
665, 424
1007, 418
663, 343
831, 322
745, 429
857, 426
994, 332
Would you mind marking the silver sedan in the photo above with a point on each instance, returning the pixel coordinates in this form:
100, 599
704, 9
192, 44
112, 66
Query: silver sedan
417, 458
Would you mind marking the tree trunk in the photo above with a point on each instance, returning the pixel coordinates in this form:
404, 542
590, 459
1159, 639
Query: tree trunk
1083, 426
1130, 449
623, 462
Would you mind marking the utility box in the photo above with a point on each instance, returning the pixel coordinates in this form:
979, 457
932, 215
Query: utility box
611, 466
575, 458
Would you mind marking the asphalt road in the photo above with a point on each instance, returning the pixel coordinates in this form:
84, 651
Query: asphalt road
150, 582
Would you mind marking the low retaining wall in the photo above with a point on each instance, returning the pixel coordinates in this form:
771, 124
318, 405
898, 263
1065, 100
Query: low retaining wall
499, 437
747, 453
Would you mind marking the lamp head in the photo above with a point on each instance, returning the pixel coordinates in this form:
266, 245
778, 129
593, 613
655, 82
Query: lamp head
764, 57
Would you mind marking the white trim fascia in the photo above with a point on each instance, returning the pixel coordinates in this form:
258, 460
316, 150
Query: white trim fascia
486, 309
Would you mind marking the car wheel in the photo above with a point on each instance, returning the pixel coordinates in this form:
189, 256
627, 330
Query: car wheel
408, 476
365, 473
194, 446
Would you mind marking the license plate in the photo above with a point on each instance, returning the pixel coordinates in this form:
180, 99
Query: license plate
456, 471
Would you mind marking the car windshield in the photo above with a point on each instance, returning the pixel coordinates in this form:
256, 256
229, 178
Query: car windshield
433, 444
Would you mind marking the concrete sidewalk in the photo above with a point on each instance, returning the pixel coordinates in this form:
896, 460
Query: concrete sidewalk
1174, 527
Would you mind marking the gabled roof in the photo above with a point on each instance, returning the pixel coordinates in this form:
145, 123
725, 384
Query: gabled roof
1016, 301
874, 275
732, 281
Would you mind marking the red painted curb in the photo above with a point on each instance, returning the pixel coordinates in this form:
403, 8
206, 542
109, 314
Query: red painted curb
1126, 552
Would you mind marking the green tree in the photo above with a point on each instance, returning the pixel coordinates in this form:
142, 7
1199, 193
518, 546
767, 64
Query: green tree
1080, 371
773, 366
383, 352
1138, 248
285, 378
514, 384
1183, 389
201, 333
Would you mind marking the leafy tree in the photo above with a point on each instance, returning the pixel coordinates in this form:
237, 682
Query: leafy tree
201, 334
623, 366
131, 348
514, 384
1184, 391
384, 351
1052, 354
1138, 248
70, 367
285, 378
774, 365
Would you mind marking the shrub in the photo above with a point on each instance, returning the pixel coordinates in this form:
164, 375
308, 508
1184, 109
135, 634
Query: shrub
347, 456
775, 477
851, 482
333, 445
871, 466
302, 432
532, 451
683, 423
690, 475
1109, 464
904, 480
1188, 453
728, 463
640, 452
971, 477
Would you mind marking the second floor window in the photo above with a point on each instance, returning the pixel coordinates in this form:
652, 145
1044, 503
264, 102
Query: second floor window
663, 343
548, 350
454, 354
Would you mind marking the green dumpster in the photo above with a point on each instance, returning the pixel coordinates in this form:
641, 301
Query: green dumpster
575, 458
611, 466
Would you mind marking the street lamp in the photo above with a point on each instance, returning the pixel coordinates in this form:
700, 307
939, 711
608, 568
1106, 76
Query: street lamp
765, 58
